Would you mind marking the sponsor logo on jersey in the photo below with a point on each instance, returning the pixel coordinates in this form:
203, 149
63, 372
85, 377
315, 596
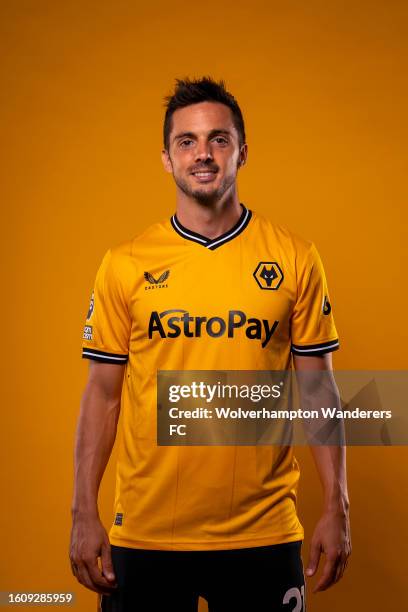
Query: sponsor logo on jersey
326, 306
91, 307
180, 322
87, 335
268, 275
156, 283
118, 518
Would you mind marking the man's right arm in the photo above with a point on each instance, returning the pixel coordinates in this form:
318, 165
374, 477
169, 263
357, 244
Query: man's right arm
95, 436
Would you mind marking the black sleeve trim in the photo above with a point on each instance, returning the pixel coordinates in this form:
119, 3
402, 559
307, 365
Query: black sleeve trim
316, 349
102, 356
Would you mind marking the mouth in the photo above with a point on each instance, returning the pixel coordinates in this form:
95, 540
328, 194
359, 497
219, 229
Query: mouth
204, 176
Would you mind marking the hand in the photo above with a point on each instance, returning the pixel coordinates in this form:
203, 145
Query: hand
89, 541
331, 536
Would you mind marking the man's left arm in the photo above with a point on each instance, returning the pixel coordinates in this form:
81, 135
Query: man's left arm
332, 532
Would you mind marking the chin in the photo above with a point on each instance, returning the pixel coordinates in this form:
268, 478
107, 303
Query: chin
206, 197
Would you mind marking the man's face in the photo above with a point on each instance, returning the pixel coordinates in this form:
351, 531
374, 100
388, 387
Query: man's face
204, 153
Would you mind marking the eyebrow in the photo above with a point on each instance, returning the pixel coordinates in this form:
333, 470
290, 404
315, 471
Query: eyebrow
214, 132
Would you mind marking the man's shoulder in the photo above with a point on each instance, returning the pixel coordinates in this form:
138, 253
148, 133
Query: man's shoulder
146, 239
281, 234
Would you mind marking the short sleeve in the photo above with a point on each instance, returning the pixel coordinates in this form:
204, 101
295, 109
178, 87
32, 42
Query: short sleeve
107, 326
313, 331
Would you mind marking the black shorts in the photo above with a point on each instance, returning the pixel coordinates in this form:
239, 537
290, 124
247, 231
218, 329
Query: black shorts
263, 578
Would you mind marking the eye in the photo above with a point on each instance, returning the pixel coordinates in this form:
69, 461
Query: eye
221, 140
183, 142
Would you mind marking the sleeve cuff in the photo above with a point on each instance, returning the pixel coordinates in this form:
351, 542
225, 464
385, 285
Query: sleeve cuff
316, 349
102, 356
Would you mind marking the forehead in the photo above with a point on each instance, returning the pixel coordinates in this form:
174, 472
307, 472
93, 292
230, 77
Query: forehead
202, 117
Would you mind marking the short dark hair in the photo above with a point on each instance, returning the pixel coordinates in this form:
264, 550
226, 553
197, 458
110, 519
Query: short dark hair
193, 91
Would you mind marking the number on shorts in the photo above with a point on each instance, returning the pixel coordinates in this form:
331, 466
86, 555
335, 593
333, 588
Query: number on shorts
298, 595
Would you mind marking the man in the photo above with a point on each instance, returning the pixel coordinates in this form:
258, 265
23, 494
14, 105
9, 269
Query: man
215, 521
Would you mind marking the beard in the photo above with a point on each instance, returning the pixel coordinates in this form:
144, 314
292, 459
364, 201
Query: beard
207, 196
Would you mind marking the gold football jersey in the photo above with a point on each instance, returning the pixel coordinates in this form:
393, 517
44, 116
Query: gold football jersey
172, 299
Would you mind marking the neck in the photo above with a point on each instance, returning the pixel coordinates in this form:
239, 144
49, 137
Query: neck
210, 220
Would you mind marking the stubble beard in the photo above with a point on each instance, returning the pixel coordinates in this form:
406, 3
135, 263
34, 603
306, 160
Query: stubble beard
204, 197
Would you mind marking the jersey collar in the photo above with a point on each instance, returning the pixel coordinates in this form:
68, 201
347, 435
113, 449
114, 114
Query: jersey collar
213, 243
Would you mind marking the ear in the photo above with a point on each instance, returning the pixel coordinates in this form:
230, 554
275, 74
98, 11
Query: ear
243, 154
166, 161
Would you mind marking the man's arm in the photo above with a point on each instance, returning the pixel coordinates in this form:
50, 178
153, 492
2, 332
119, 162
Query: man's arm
96, 432
332, 533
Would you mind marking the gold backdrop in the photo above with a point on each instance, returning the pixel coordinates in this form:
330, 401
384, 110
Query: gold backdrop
323, 89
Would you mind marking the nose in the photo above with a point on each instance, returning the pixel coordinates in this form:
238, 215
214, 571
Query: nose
203, 151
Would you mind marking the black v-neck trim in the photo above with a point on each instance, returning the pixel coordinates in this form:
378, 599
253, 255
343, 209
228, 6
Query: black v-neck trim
213, 243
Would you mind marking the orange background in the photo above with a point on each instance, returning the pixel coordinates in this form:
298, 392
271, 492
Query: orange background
323, 89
